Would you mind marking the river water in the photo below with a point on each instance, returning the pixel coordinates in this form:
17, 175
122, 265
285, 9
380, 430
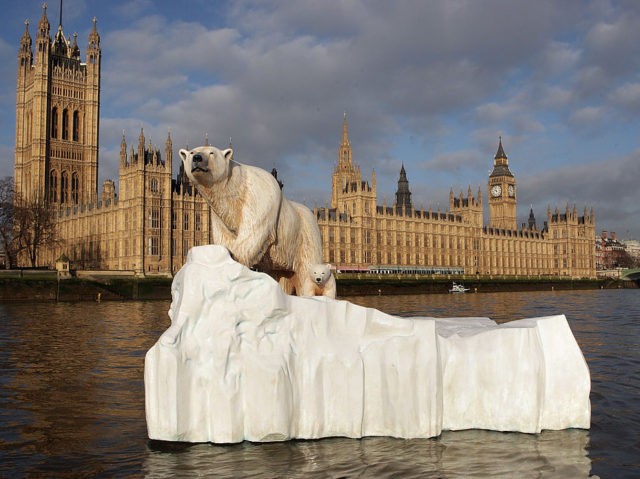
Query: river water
72, 400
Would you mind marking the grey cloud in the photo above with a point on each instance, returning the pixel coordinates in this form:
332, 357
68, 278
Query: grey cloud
612, 185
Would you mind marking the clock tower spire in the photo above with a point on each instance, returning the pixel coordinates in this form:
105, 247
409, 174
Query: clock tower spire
502, 193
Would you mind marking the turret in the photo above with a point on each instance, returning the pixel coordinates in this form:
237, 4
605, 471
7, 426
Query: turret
75, 49
92, 104
532, 219
123, 151
60, 44
403, 195
43, 39
25, 54
141, 147
168, 152
93, 49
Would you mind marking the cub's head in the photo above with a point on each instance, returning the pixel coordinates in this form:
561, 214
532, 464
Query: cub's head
320, 273
206, 165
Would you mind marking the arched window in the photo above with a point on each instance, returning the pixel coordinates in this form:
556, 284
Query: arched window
53, 186
76, 126
64, 187
54, 122
75, 186
65, 124
154, 185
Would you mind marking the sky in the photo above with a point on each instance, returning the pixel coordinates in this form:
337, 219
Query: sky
430, 84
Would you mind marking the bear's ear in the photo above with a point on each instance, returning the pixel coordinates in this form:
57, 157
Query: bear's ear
228, 154
183, 154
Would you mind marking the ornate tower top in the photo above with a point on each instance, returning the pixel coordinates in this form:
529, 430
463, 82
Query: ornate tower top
345, 134
94, 37
403, 195
500, 162
43, 25
25, 55
345, 160
26, 38
532, 219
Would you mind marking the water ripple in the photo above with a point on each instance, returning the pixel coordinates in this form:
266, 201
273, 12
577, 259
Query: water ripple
72, 400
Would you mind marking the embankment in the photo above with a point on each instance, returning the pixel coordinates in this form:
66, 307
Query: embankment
352, 285
46, 287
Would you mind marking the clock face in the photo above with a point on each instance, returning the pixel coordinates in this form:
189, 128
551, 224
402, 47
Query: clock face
512, 190
496, 191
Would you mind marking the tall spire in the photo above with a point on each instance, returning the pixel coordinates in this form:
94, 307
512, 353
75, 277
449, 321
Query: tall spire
345, 133
403, 195
94, 37
532, 219
500, 162
500, 155
43, 25
345, 161
26, 54
26, 38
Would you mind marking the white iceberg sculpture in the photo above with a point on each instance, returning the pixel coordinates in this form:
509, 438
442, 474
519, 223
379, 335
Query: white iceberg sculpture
244, 361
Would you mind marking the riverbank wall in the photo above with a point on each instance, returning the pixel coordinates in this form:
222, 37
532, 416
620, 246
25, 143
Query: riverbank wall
366, 285
38, 289
45, 286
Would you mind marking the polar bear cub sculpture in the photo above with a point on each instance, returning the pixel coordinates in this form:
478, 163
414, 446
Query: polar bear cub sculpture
324, 281
254, 221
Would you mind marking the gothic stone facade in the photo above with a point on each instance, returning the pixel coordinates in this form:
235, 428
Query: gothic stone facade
358, 234
151, 224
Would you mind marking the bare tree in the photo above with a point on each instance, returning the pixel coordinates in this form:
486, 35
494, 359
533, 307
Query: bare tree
25, 226
7, 236
622, 259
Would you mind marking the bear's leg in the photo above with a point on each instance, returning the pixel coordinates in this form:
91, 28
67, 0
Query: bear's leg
306, 287
329, 288
221, 234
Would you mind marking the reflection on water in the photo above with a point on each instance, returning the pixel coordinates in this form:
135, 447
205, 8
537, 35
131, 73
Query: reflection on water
453, 454
72, 398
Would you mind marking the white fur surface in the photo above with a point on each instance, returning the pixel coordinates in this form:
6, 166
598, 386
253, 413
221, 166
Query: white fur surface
253, 219
323, 280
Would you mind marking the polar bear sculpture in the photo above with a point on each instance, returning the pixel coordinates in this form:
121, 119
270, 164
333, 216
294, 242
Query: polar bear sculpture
253, 220
323, 279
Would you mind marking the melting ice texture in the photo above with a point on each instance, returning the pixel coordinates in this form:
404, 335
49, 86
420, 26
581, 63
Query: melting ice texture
244, 361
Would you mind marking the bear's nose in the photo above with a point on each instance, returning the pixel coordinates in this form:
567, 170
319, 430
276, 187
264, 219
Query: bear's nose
197, 158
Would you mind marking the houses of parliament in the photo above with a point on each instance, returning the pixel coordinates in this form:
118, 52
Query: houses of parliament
148, 226
358, 234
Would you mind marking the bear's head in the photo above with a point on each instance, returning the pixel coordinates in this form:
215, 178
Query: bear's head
320, 273
206, 165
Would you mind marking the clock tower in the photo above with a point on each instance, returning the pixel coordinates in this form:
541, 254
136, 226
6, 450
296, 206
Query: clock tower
502, 193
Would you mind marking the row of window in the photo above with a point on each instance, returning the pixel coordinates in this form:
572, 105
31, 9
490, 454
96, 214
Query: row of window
59, 191
186, 220
65, 126
153, 246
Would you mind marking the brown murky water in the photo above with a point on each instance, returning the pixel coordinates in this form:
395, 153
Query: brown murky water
72, 400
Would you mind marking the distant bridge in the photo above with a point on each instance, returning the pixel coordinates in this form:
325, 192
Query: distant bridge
631, 274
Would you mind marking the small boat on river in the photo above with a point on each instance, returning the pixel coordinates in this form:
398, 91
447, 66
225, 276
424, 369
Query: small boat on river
458, 288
